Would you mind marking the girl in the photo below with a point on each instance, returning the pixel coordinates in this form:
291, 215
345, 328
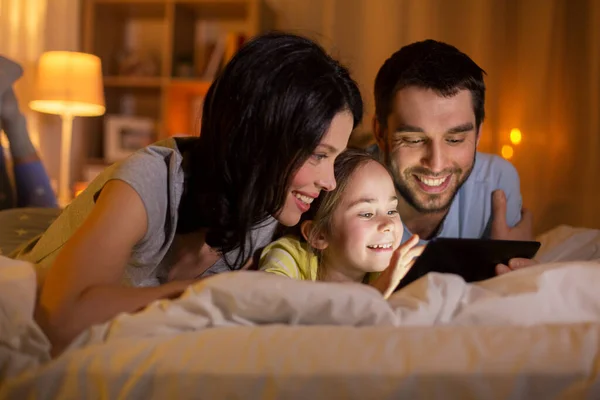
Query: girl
351, 232
273, 123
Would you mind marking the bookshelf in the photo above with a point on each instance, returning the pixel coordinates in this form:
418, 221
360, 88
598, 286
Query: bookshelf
159, 58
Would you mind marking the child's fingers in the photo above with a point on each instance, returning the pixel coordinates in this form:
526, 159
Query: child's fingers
409, 244
415, 252
401, 272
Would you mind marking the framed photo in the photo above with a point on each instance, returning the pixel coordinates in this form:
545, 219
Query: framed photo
123, 135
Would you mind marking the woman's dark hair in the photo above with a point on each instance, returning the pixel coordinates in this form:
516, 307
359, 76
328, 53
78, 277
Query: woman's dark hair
263, 116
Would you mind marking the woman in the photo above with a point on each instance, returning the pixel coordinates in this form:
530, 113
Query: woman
273, 123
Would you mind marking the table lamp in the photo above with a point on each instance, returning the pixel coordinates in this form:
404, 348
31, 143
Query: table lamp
68, 84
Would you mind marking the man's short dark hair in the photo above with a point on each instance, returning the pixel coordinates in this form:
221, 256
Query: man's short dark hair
429, 65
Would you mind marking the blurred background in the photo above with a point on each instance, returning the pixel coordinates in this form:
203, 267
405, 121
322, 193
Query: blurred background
542, 59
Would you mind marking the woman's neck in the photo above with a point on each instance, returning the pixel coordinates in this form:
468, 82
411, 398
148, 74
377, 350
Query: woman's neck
333, 271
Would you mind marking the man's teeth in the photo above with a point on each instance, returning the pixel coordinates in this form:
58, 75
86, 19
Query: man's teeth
381, 246
432, 181
304, 198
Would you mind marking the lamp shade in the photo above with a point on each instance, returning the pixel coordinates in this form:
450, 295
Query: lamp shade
69, 83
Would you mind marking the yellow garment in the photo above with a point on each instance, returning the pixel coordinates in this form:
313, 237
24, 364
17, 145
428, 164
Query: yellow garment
289, 257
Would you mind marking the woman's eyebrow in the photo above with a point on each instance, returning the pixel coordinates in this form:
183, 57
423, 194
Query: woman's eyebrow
328, 147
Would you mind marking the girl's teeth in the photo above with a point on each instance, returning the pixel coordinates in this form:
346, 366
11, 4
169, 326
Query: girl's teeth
304, 198
380, 246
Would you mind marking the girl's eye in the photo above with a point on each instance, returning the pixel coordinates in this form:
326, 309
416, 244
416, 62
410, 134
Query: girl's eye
319, 157
393, 212
366, 215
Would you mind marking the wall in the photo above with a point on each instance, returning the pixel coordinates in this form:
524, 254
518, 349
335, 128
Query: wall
542, 59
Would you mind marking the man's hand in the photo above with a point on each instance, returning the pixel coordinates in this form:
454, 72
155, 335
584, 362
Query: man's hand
501, 231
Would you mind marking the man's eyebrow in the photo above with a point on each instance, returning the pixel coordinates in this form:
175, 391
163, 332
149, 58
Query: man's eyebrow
461, 128
408, 128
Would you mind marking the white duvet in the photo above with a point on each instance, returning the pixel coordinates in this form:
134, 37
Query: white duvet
530, 333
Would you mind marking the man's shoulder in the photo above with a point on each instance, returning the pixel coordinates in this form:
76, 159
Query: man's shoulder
490, 167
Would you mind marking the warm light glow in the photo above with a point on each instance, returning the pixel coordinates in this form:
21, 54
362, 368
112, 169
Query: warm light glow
69, 83
79, 187
515, 136
507, 152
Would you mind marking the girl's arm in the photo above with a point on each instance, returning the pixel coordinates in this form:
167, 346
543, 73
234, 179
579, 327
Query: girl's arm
82, 288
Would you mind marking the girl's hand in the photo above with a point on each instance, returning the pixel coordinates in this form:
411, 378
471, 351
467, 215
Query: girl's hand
401, 262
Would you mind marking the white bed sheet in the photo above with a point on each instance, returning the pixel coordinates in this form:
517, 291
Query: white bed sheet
533, 333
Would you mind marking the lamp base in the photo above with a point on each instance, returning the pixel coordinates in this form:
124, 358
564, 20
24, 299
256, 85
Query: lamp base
64, 183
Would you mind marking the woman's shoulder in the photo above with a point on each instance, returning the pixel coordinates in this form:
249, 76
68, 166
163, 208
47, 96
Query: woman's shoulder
149, 170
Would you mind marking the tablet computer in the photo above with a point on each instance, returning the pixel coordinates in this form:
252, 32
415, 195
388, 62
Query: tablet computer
473, 259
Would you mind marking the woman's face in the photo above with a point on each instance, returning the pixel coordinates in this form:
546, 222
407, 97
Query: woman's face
316, 173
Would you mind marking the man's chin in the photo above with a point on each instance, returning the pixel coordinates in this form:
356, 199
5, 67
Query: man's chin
431, 204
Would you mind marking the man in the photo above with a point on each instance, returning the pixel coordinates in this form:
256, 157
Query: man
429, 108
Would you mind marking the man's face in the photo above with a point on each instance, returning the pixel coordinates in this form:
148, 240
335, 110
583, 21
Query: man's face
430, 141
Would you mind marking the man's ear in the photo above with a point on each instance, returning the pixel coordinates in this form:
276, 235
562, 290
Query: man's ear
478, 135
316, 241
379, 133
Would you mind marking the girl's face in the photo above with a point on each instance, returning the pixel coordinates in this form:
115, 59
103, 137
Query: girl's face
366, 227
316, 173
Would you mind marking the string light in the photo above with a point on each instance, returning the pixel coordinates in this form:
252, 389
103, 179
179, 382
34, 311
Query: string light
507, 151
515, 136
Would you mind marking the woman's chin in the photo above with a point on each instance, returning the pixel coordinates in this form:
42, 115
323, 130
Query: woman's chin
288, 218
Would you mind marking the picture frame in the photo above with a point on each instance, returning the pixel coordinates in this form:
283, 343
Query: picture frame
124, 135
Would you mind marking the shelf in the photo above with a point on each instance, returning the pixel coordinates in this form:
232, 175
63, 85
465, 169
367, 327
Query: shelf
219, 10
138, 9
189, 85
131, 1
154, 56
134, 81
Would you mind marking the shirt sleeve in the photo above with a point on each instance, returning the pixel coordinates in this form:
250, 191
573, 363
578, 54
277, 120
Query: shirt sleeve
510, 183
279, 258
147, 173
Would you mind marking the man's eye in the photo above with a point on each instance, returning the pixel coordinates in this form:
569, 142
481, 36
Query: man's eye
393, 212
412, 141
455, 141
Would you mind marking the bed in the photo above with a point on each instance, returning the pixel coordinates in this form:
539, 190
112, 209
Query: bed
533, 333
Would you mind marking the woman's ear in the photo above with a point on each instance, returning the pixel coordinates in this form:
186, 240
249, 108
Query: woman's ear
317, 241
